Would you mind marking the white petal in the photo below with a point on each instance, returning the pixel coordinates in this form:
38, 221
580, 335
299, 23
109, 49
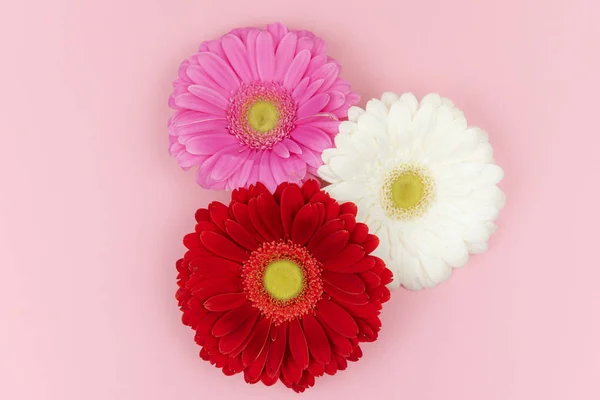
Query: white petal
346, 167
377, 108
354, 112
347, 126
345, 191
389, 98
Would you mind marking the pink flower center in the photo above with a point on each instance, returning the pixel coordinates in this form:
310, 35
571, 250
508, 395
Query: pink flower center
283, 280
261, 114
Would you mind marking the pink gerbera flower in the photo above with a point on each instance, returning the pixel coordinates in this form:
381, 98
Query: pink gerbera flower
257, 105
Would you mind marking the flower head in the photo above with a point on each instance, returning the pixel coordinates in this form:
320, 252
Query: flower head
281, 287
257, 105
423, 181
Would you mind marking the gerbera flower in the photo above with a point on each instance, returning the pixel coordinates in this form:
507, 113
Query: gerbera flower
423, 181
257, 105
281, 287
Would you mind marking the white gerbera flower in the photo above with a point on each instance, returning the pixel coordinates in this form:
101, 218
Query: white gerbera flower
423, 181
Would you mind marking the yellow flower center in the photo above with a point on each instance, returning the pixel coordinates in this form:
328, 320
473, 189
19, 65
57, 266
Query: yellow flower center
263, 116
407, 192
283, 279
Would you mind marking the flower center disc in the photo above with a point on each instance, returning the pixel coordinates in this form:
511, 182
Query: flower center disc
284, 279
407, 192
263, 116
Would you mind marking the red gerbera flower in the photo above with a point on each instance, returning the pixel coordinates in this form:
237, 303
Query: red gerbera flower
281, 286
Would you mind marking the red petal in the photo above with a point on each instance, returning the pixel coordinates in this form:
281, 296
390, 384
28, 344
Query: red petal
331, 368
340, 344
291, 202
349, 283
371, 279
337, 318
359, 234
235, 364
222, 246
205, 326
370, 243
192, 240
321, 208
349, 220
363, 265
279, 191
240, 194
271, 216
277, 351
356, 354
207, 288
350, 255
207, 226
331, 246
225, 302
305, 224
297, 344
253, 372
324, 231
212, 266
310, 188
291, 372
230, 342
268, 380
219, 212
332, 207
348, 208
316, 368
257, 343
257, 221
367, 333
241, 215
240, 235
202, 215
364, 311
257, 189
218, 360
317, 339
343, 297
342, 364
232, 320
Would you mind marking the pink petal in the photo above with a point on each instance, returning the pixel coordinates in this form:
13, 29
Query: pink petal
218, 70
238, 58
329, 73
227, 164
313, 106
264, 172
294, 167
292, 146
189, 101
265, 56
187, 160
240, 177
284, 55
210, 95
304, 43
251, 51
199, 76
277, 30
336, 101
187, 132
310, 91
205, 171
281, 150
311, 137
208, 144
300, 88
189, 117
310, 158
296, 70
213, 46
316, 63
277, 170
328, 122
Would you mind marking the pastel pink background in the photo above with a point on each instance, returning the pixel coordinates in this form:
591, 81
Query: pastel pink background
92, 208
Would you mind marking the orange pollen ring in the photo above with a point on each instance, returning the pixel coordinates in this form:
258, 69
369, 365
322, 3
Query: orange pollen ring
277, 310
